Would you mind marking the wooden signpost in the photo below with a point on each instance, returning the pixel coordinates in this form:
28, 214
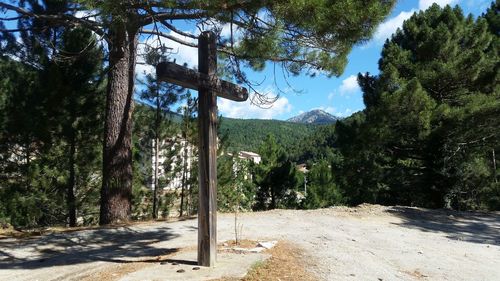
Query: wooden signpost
206, 82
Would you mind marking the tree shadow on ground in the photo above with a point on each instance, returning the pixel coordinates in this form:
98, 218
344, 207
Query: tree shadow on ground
118, 245
482, 228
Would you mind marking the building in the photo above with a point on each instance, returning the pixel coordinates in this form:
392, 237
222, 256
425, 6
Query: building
252, 156
175, 154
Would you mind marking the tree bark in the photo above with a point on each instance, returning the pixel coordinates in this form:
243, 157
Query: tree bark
157, 154
184, 172
493, 156
155, 190
116, 191
71, 182
273, 199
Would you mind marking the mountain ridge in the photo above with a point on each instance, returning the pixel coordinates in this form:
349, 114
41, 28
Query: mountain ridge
316, 117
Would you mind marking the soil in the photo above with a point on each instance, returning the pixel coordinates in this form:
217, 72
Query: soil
286, 263
369, 242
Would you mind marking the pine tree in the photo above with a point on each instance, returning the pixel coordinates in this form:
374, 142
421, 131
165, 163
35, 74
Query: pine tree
161, 96
431, 126
76, 76
55, 125
276, 177
274, 31
188, 159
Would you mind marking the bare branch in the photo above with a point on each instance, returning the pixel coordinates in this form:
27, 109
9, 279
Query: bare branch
168, 36
227, 51
180, 32
16, 30
171, 16
58, 19
9, 19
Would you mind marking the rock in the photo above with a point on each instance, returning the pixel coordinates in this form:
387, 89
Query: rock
196, 268
267, 244
181, 271
163, 263
257, 250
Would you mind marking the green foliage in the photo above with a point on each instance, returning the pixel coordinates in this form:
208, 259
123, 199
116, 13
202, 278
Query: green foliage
274, 31
318, 144
235, 189
429, 133
248, 135
322, 190
276, 177
166, 203
51, 131
328, 39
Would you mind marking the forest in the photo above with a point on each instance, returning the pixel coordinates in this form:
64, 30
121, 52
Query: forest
429, 135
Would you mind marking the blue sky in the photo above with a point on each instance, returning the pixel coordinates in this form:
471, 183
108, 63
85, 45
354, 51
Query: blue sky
339, 96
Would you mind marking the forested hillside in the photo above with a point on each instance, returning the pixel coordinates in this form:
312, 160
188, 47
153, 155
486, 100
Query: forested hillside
249, 134
430, 133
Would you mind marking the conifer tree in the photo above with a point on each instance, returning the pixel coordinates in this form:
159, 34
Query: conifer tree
274, 31
431, 125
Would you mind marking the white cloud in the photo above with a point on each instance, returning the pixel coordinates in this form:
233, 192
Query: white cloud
334, 111
330, 109
424, 4
348, 86
387, 28
480, 5
347, 112
142, 69
248, 110
226, 30
181, 53
88, 14
331, 95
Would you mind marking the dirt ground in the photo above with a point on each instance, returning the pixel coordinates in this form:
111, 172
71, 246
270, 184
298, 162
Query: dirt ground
365, 243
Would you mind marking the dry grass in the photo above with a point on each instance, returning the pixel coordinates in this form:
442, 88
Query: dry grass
286, 263
245, 244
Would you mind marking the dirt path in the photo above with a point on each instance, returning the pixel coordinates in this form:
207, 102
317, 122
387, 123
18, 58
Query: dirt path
365, 243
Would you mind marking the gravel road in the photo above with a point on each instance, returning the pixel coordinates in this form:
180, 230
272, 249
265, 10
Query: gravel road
366, 243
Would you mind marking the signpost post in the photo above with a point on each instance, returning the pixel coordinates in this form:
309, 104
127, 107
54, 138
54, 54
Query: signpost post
206, 82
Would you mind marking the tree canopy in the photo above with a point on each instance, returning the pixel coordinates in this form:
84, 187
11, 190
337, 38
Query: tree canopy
430, 131
260, 31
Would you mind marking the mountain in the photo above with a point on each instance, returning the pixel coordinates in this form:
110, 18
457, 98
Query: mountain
246, 134
317, 117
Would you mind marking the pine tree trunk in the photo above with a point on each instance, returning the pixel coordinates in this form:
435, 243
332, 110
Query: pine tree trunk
493, 156
155, 190
273, 199
157, 154
116, 191
71, 182
183, 183
184, 172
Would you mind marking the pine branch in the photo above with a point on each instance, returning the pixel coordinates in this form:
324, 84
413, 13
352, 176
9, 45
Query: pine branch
168, 36
58, 19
